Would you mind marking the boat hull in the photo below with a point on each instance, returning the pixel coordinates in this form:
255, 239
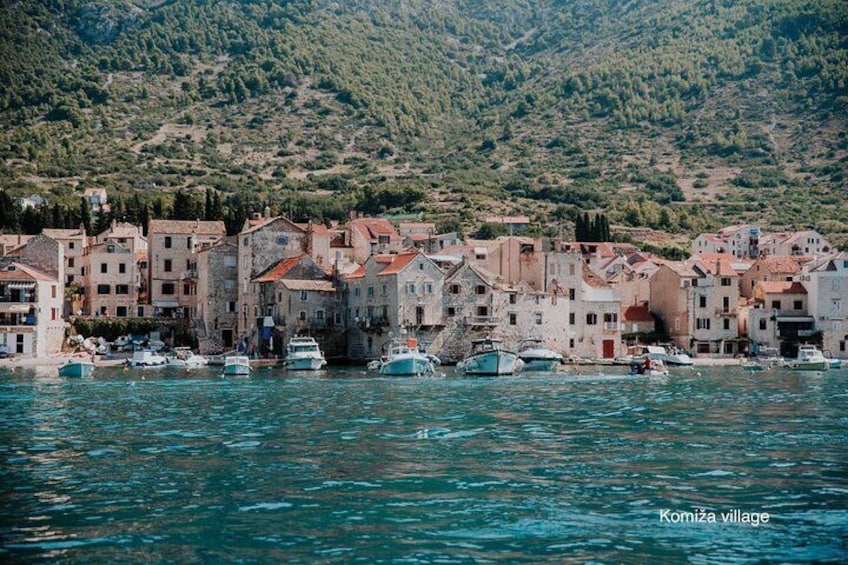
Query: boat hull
539, 365
492, 363
76, 370
407, 367
234, 370
810, 366
305, 364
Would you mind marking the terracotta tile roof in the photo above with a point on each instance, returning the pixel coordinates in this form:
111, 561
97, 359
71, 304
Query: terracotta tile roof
373, 227
357, 274
21, 272
279, 269
637, 314
187, 227
56, 233
782, 264
782, 287
399, 263
591, 278
319, 229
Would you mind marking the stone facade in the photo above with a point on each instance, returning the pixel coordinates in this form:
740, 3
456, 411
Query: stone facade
173, 262
826, 282
114, 281
31, 322
216, 312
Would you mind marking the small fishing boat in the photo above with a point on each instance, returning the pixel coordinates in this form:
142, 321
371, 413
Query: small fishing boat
406, 360
303, 354
488, 357
536, 356
185, 357
236, 365
648, 366
76, 368
146, 358
809, 358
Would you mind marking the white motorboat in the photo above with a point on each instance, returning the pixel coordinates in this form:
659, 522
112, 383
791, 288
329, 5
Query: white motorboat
405, 359
303, 354
185, 357
646, 365
809, 359
146, 358
236, 365
536, 356
488, 357
668, 355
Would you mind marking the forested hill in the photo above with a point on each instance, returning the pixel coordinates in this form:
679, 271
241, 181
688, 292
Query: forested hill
672, 115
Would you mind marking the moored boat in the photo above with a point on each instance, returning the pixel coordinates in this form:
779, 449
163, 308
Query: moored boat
669, 355
488, 357
304, 354
146, 358
76, 368
809, 358
236, 365
406, 360
185, 357
537, 357
648, 366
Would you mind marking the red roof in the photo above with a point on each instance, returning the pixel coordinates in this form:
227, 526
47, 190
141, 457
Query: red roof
19, 271
637, 314
399, 263
278, 270
782, 287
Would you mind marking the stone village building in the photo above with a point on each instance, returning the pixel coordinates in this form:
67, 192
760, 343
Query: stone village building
215, 315
173, 246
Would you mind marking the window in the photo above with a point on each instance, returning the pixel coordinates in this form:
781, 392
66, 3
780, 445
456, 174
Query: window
70, 262
282, 240
304, 295
797, 305
775, 304
104, 268
245, 242
121, 311
122, 268
53, 291
694, 282
229, 261
572, 318
168, 288
140, 312
537, 318
455, 289
451, 311
53, 314
229, 284
702, 323
702, 301
104, 289
410, 288
480, 289
370, 291
571, 343
727, 323
725, 303
512, 298
428, 288
168, 265
483, 311
513, 318
302, 315
610, 318
189, 242
231, 307
571, 293
763, 324
725, 281
383, 239
168, 242
122, 289
186, 290
70, 245
420, 266
384, 290
591, 319
356, 291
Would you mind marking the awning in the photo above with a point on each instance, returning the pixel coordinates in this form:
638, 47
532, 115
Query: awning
796, 319
21, 285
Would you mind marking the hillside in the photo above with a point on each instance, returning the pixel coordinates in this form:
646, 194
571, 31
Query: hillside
673, 115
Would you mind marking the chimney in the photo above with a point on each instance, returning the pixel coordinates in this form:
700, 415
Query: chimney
267, 212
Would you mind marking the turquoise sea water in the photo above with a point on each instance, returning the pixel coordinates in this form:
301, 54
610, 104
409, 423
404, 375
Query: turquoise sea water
167, 466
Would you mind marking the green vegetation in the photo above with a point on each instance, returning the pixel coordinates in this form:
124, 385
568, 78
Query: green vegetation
674, 116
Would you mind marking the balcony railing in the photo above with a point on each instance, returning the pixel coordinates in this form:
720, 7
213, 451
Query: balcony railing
19, 300
481, 321
611, 326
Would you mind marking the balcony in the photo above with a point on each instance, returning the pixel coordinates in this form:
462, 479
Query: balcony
611, 326
481, 321
372, 323
17, 320
726, 312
